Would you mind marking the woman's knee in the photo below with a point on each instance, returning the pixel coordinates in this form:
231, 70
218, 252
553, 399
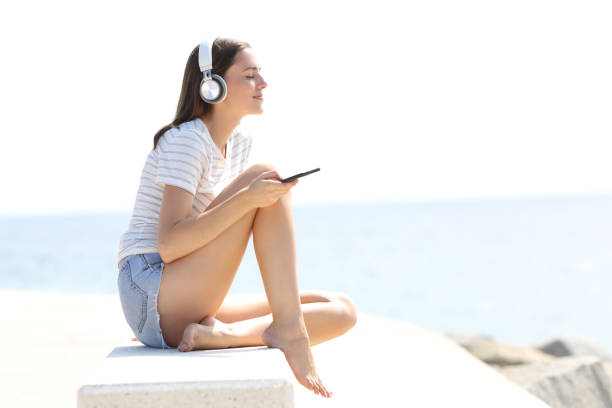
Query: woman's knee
252, 173
351, 310
259, 168
349, 314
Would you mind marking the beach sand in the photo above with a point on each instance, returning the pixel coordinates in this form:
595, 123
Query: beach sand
52, 342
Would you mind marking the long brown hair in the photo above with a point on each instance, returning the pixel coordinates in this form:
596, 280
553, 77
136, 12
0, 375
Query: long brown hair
190, 105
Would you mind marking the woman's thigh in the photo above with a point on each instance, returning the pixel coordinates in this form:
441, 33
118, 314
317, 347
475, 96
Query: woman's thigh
195, 285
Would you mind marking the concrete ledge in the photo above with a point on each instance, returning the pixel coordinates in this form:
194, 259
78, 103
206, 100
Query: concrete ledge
250, 393
379, 363
139, 376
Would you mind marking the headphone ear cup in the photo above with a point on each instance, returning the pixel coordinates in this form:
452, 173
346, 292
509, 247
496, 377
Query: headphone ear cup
213, 90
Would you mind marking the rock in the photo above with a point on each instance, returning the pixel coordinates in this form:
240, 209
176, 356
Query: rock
608, 369
574, 382
575, 346
497, 353
465, 339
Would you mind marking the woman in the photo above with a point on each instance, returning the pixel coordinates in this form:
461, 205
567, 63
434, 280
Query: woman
196, 207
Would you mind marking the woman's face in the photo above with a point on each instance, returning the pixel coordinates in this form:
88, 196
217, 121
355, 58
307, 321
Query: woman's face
244, 85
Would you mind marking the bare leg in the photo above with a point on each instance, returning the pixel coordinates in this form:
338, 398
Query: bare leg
324, 320
208, 276
274, 244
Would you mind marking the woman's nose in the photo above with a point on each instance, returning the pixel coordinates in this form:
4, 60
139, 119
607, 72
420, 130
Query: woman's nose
262, 83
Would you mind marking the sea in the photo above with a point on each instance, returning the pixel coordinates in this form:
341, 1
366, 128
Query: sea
520, 270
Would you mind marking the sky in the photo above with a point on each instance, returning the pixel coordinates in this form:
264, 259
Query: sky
397, 101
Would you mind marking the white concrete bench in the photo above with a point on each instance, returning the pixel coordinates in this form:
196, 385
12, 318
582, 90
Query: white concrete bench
379, 363
139, 376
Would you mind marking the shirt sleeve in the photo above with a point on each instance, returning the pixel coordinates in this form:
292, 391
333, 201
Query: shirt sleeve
181, 160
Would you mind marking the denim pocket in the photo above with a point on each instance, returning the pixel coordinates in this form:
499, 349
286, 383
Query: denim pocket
133, 299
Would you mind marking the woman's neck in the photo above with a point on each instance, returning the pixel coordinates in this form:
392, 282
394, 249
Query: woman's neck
220, 126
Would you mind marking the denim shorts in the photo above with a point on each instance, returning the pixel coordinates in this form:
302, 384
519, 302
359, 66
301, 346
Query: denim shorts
138, 282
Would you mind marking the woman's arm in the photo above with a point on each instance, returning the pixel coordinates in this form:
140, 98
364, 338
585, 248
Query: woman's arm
179, 234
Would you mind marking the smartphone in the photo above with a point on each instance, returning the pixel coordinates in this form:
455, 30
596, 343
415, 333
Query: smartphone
288, 179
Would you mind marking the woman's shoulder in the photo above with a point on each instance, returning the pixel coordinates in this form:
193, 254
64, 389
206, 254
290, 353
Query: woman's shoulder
194, 125
187, 133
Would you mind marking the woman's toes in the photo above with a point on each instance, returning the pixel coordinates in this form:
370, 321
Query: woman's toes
323, 391
187, 341
183, 346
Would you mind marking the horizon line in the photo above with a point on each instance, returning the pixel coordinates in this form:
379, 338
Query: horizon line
335, 203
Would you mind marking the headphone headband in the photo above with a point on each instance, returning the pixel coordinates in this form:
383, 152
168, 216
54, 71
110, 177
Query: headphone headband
205, 56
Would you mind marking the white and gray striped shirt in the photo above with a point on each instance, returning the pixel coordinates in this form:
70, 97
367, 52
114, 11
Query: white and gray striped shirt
188, 158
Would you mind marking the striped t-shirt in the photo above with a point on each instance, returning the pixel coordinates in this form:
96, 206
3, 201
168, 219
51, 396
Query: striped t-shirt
188, 158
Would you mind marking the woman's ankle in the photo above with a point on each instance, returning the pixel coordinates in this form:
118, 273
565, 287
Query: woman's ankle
289, 328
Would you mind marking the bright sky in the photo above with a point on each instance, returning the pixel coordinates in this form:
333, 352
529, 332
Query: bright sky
424, 100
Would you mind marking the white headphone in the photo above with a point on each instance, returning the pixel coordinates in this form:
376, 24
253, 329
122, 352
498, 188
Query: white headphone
213, 88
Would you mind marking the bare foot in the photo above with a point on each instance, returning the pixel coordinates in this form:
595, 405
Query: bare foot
295, 345
209, 335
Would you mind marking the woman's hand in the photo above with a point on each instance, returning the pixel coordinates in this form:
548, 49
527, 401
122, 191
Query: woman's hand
267, 188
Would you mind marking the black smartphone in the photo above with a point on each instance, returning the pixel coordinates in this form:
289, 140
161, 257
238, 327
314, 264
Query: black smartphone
288, 179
